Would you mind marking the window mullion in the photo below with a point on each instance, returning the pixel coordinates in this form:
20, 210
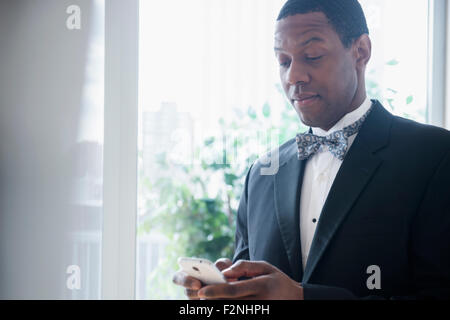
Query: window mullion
120, 150
436, 62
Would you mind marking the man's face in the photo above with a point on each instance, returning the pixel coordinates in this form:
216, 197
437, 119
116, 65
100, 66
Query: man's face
318, 74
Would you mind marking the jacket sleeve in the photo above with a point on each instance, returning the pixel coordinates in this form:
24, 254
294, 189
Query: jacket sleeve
241, 238
429, 247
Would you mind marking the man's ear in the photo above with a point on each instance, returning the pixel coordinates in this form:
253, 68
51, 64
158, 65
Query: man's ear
363, 51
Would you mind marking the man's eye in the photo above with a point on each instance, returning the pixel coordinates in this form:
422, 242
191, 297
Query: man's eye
284, 64
313, 58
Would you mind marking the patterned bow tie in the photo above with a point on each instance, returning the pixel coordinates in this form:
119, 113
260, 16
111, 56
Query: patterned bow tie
337, 142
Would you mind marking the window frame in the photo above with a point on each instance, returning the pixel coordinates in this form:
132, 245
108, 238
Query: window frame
120, 149
447, 66
437, 73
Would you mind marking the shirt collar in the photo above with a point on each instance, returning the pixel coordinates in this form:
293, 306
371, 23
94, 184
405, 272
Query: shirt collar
347, 120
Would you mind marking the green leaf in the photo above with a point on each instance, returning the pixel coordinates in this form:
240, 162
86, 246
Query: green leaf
392, 90
393, 62
409, 100
372, 84
230, 178
266, 110
209, 141
390, 102
251, 113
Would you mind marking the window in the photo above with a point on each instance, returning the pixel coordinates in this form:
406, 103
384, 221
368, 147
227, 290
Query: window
398, 71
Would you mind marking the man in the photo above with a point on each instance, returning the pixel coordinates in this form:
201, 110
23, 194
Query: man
360, 205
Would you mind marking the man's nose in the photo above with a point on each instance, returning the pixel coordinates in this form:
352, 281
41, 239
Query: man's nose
297, 73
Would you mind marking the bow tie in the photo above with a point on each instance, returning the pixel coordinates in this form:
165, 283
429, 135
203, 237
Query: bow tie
337, 142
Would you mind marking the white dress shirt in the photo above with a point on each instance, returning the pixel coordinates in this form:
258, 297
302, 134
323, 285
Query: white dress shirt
320, 171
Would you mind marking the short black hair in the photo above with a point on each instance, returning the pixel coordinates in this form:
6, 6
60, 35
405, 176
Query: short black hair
346, 16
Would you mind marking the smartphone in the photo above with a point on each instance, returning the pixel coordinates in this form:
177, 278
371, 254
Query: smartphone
202, 269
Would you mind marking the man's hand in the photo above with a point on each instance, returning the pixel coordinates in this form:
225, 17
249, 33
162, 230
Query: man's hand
192, 285
267, 283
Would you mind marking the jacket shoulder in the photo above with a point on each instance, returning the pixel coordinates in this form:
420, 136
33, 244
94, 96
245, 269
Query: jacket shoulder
426, 137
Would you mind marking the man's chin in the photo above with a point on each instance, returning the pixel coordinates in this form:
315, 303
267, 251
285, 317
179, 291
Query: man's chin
311, 118
316, 120
310, 122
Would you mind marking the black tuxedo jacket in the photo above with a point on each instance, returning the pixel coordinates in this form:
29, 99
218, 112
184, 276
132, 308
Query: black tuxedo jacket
389, 207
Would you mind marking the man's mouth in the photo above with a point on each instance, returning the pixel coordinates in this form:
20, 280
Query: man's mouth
304, 99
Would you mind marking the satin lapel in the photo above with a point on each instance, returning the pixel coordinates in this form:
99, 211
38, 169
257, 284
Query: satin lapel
357, 169
287, 187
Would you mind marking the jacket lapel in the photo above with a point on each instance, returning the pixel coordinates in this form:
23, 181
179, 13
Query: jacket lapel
357, 169
287, 187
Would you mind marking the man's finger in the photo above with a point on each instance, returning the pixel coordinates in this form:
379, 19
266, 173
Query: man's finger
249, 269
192, 294
233, 290
223, 263
182, 279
